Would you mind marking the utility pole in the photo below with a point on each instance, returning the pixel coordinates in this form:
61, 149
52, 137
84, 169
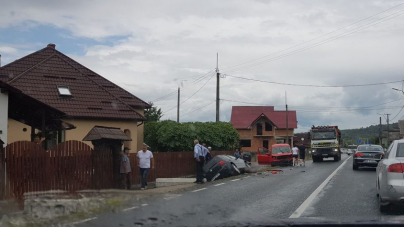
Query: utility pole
178, 106
217, 88
380, 130
287, 119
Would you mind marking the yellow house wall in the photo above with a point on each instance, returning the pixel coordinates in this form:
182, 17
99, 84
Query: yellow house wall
16, 131
84, 126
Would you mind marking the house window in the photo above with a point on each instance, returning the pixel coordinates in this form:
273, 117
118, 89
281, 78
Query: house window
64, 91
245, 143
259, 129
268, 127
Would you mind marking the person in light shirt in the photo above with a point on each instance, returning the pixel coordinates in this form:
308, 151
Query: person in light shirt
295, 156
145, 157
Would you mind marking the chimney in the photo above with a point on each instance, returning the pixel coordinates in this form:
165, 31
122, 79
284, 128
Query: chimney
51, 45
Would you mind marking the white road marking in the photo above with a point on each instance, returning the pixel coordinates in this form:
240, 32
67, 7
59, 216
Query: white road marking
85, 220
130, 208
179, 195
235, 179
145, 204
299, 211
247, 177
169, 198
199, 190
218, 184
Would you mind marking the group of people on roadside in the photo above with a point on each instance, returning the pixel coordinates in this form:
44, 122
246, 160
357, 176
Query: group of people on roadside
202, 156
145, 161
299, 153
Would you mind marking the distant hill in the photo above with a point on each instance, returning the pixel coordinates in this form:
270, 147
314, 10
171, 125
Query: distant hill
370, 133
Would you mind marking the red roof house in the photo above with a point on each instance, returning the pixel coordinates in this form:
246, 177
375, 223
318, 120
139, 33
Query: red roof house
263, 126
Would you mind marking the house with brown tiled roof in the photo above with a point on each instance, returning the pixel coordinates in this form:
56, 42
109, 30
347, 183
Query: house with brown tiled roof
48, 91
263, 126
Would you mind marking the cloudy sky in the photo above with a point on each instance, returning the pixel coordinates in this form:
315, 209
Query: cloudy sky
152, 47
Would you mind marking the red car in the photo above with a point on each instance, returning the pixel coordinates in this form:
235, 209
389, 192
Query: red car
281, 155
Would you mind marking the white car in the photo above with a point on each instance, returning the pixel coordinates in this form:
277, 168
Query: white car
390, 176
351, 149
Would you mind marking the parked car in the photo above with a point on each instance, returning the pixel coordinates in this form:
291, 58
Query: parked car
351, 149
247, 156
222, 166
390, 176
281, 155
367, 156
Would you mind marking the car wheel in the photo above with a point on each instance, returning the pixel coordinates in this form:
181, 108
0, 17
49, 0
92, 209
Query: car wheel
235, 168
383, 207
336, 159
354, 167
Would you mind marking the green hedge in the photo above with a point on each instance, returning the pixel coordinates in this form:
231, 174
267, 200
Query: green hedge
172, 136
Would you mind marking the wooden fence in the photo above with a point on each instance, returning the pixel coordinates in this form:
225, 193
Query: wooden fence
69, 166
72, 166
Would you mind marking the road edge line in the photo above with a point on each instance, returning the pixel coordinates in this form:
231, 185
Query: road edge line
83, 221
299, 211
199, 190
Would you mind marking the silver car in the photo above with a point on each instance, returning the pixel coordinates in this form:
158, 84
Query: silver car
390, 176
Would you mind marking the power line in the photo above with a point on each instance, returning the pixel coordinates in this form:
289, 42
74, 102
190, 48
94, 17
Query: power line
315, 108
397, 113
321, 42
315, 38
312, 85
175, 92
192, 94
198, 108
198, 89
165, 96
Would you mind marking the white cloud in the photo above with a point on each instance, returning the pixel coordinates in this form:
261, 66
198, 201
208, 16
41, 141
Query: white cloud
169, 41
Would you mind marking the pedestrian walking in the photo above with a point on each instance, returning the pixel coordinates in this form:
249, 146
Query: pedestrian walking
199, 161
295, 156
302, 153
208, 156
125, 170
145, 157
204, 152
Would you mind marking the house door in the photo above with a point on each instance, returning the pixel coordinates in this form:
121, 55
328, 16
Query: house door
265, 144
264, 156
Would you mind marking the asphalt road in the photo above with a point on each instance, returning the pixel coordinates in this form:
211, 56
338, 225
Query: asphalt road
349, 195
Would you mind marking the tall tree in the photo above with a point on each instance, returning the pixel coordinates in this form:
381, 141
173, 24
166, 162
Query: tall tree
153, 114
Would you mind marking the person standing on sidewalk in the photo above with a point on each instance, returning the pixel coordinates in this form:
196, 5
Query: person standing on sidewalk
199, 161
145, 157
125, 170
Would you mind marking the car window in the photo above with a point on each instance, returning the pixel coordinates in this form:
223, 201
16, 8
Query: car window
369, 148
262, 150
400, 150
